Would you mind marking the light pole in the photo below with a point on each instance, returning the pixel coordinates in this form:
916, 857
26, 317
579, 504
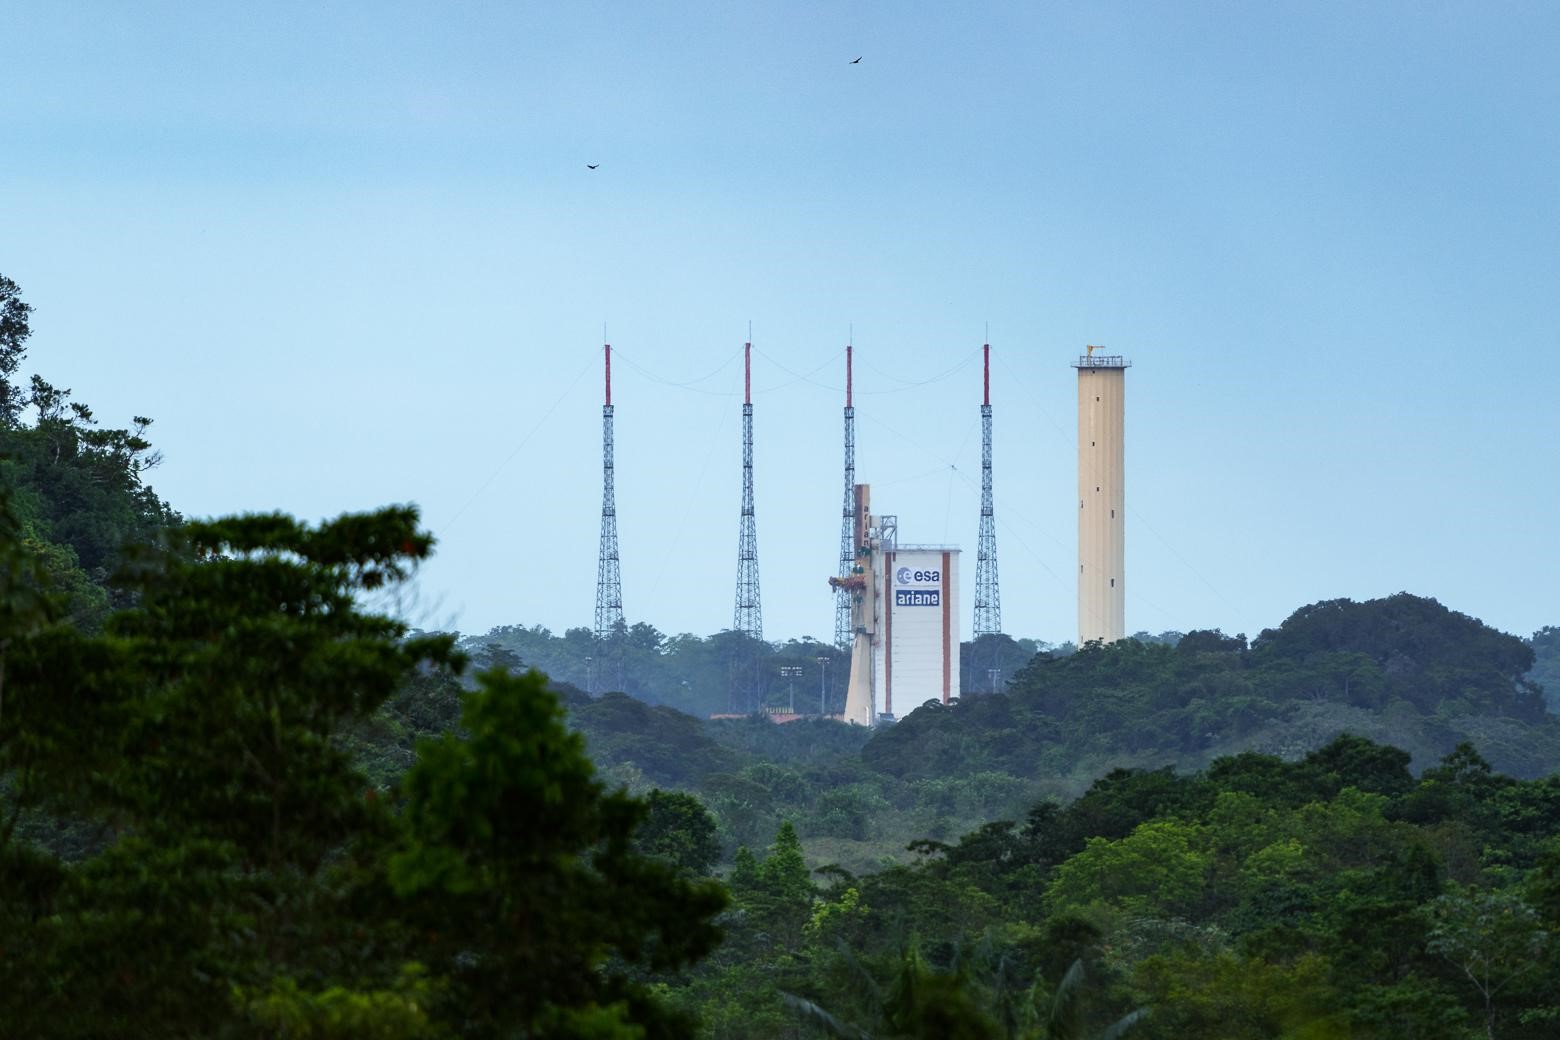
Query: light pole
590, 677
823, 685
791, 671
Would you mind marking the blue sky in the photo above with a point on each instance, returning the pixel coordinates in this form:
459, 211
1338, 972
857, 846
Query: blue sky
347, 255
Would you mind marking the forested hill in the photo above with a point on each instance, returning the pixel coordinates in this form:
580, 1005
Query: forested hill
1546, 664
1402, 670
1028, 864
75, 487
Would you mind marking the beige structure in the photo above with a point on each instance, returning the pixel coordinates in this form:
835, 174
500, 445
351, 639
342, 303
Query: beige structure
1102, 553
860, 709
861, 691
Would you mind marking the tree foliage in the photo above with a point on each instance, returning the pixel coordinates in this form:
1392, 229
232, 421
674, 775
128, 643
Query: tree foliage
15, 328
246, 876
76, 488
522, 872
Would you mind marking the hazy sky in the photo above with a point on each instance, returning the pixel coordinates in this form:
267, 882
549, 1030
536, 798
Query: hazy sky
347, 255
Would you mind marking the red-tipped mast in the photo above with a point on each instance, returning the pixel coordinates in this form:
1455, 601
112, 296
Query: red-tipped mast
607, 350
747, 373
847, 375
986, 379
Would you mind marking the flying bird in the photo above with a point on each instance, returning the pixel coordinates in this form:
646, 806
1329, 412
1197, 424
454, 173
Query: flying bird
855, 61
592, 165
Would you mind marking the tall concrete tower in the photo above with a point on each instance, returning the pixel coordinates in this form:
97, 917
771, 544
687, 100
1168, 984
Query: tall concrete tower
1102, 502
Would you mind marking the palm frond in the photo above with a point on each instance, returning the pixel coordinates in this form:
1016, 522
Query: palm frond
822, 1019
1066, 1020
1124, 1023
859, 973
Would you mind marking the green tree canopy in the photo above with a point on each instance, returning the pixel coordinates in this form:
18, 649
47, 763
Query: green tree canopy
247, 877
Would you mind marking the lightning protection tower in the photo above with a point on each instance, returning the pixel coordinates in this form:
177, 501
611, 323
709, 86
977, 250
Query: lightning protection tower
1102, 501
748, 617
988, 599
843, 633
609, 583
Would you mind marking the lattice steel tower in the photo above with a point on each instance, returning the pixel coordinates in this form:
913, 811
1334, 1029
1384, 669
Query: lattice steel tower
609, 583
988, 598
843, 636
748, 618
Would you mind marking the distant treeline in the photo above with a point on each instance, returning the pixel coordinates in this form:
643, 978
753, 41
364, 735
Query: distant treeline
730, 672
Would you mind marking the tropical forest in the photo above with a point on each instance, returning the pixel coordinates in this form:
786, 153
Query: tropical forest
240, 796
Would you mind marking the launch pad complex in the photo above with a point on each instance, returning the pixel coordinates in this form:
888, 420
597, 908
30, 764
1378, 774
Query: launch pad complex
897, 605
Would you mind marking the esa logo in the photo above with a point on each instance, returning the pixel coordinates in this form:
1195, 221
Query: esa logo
906, 576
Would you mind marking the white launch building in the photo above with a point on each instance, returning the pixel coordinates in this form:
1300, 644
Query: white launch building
904, 618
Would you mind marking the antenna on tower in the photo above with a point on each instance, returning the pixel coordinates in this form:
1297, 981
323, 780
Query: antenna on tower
748, 618
843, 636
609, 583
988, 599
